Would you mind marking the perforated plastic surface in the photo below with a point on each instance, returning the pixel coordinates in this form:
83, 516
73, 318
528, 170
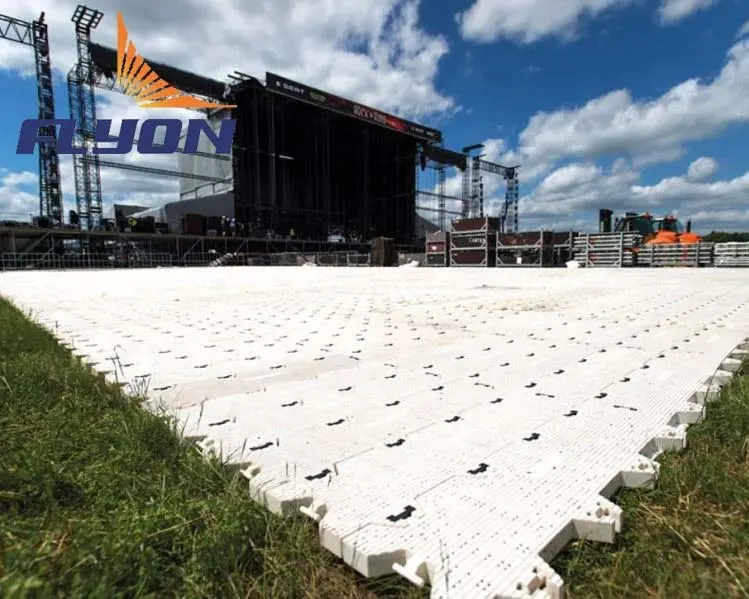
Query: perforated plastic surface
456, 426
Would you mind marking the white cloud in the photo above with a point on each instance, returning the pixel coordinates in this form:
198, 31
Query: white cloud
577, 191
19, 179
374, 51
18, 195
701, 169
575, 188
528, 21
697, 195
619, 126
615, 123
672, 11
722, 220
744, 31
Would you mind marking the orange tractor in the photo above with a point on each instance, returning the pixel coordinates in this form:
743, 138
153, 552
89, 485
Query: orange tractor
654, 230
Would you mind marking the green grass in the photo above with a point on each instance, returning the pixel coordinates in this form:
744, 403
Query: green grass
689, 537
101, 499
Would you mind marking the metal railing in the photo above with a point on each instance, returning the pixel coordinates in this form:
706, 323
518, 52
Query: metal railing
341, 259
53, 261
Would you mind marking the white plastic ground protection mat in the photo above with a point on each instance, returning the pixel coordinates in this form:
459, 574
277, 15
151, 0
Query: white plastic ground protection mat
458, 426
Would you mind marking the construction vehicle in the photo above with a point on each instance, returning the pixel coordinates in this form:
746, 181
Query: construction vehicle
654, 230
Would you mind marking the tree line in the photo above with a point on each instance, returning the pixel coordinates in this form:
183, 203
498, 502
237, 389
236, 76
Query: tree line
723, 237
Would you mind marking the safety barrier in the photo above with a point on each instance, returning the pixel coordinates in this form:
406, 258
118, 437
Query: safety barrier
52, 261
593, 250
342, 259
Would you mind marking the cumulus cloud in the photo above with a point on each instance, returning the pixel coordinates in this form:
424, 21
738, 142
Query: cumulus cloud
18, 196
640, 133
578, 187
19, 179
575, 193
617, 123
528, 21
702, 168
374, 51
744, 31
672, 11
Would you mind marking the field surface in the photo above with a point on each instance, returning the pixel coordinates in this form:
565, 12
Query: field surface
456, 426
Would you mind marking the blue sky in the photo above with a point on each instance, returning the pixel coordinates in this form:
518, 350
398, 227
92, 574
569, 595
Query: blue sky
583, 98
505, 84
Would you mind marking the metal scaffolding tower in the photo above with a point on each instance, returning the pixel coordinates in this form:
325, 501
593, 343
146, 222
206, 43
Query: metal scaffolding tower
442, 191
509, 216
36, 35
512, 196
477, 187
82, 101
466, 192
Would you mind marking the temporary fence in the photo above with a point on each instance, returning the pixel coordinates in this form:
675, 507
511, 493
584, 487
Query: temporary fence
53, 261
342, 259
466, 248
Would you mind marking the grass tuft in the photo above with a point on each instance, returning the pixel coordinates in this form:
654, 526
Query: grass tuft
688, 537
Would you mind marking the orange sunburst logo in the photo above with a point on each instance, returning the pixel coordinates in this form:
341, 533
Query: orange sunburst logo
139, 81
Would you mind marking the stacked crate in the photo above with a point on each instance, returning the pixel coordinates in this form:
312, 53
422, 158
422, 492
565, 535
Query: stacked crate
675, 254
562, 244
731, 253
533, 248
473, 242
383, 252
606, 249
437, 249
193, 224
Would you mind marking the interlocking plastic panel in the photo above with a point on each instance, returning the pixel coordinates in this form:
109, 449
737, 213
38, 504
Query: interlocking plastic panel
458, 427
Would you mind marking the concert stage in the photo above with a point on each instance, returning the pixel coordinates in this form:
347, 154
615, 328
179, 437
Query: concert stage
313, 163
